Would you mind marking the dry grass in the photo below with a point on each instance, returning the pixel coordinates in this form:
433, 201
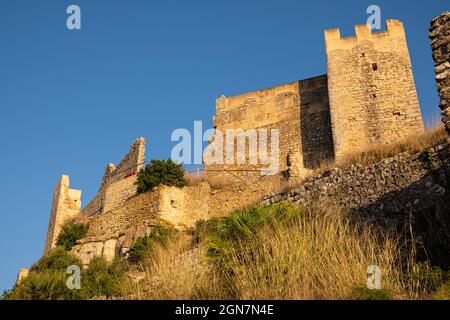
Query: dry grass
412, 145
194, 178
175, 272
322, 257
316, 256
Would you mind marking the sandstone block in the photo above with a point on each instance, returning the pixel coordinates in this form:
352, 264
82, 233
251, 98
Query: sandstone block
109, 250
89, 251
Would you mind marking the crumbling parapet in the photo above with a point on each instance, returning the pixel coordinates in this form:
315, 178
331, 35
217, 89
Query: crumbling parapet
66, 205
440, 44
119, 183
23, 273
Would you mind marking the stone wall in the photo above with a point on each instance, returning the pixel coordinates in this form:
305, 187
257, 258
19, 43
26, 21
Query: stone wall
371, 88
368, 96
118, 183
115, 231
440, 43
383, 191
299, 110
23, 273
65, 206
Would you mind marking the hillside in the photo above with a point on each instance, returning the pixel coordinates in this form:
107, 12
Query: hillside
301, 239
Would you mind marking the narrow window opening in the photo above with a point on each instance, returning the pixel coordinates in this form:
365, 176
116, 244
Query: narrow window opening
374, 66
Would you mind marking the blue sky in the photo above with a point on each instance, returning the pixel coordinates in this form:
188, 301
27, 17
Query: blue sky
72, 101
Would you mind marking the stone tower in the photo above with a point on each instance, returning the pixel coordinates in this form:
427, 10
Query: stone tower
371, 88
66, 205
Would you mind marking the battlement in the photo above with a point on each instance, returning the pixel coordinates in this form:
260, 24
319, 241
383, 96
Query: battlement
394, 34
371, 88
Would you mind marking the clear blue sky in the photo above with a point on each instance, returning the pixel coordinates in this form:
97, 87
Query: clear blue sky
72, 101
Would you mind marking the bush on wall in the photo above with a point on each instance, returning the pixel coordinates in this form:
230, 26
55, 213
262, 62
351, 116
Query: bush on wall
159, 172
70, 234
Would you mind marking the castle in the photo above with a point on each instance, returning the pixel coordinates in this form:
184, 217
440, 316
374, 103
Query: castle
368, 96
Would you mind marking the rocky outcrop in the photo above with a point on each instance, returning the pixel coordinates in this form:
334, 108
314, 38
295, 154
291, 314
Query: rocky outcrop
440, 44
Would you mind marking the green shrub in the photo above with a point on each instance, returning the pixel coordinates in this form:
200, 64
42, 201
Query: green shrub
70, 234
159, 172
443, 293
242, 225
143, 245
202, 229
101, 279
46, 285
424, 276
57, 259
6, 295
363, 293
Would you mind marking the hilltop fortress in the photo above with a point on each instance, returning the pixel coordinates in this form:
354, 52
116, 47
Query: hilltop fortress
367, 97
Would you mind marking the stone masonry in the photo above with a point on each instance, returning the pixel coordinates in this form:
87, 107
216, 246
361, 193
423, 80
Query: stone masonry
118, 185
299, 110
368, 96
440, 43
66, 205
371, 88
386, 191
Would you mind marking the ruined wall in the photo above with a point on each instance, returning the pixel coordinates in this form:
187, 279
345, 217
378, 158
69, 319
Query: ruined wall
385, 191
115, 231
22, 274
440, 43
66, 205
300, 112
371, 88
118, 183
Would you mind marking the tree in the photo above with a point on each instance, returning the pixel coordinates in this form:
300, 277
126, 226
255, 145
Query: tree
159, 172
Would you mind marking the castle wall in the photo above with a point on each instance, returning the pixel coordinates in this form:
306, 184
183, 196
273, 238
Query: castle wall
440, 44
65, 206
385, 191
118, 183
300, 112
115, 231
371, 88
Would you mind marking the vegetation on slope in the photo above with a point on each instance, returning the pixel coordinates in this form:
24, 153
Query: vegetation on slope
275, 252
286, 252
70, 234
143, 245
418, 143
265, 252
47, 279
